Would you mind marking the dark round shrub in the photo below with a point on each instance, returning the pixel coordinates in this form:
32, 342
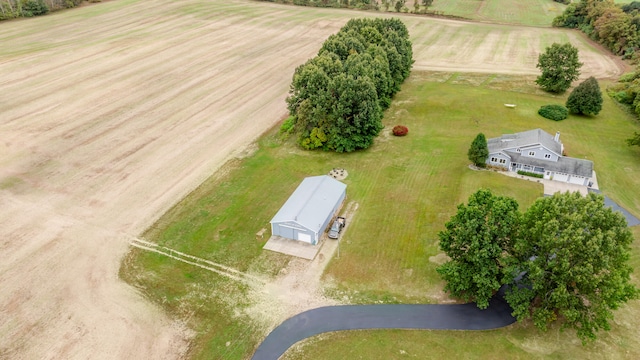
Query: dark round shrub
400, 130
554, 112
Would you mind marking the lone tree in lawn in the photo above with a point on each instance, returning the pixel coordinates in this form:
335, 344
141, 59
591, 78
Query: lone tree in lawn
478, 152
574, 253
560, 67
586, 98
478, 239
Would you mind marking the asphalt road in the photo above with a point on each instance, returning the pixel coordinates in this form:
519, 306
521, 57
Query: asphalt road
358, 317
631, 219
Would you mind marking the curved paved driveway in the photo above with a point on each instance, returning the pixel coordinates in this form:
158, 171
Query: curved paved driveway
358, 317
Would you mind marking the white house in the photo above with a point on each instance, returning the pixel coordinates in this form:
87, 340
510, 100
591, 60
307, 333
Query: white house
309, 209
539, 152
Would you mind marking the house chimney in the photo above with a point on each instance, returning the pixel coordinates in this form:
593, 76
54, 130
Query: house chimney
557, 138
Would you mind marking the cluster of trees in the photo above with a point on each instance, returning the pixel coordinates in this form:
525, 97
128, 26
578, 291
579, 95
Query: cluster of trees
419, 6
627, 90
564, 259
615, 26
11, 9
337, 98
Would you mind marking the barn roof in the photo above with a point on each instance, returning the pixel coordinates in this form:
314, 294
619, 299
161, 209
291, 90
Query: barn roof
312, 202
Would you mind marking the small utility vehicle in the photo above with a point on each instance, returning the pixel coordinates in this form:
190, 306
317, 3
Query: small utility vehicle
337, 226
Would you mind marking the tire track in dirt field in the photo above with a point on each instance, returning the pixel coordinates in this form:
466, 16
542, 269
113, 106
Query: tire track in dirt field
109, 115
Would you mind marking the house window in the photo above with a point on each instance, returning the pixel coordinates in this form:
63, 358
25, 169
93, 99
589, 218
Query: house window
547, 156
493, 159
532, 153
518, 150
503, 161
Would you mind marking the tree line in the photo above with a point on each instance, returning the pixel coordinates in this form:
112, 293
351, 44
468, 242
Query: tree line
565, 259
337, 98
419, 6
616, 26
11, 9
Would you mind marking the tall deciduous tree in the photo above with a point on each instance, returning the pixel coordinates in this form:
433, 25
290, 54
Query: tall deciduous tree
357, 114
478, 152
560, 67
574, 253
586, 98
477, 239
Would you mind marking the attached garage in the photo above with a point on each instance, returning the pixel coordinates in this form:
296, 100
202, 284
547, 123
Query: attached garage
560, 177
309, 210
575, 179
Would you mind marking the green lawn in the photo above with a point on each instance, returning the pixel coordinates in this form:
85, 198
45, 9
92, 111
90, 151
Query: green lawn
449, 119
533, 12
406, 188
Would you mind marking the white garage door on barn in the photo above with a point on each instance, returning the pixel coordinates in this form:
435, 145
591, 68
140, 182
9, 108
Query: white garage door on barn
304, 237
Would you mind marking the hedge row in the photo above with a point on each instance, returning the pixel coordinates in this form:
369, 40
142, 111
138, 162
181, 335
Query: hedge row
532, 174
11, 9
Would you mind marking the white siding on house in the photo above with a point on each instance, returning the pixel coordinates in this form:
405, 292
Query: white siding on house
499, 159
560, 177
539, 152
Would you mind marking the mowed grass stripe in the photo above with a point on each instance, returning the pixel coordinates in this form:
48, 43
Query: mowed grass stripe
533, 13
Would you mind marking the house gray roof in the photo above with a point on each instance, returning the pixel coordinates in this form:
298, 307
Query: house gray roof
567, 165
312, 202
523, 139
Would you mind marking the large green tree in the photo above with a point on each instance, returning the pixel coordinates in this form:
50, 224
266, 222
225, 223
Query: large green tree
336, 99
478, 152
357, 114
477, 239
560, 67
586, 98
574, 254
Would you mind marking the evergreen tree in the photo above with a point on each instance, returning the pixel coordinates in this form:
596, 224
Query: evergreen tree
586, 98
478, 152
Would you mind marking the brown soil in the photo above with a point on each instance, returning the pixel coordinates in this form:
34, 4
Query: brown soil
106, 122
